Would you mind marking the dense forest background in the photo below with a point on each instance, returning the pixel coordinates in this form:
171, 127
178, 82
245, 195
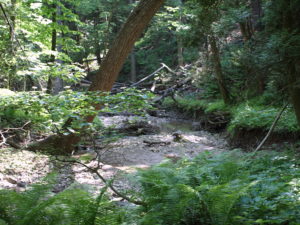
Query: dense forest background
231, 65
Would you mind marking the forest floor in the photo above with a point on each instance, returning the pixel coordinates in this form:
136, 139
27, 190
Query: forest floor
19, 169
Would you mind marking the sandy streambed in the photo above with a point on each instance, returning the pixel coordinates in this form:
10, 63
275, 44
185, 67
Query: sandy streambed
19, 169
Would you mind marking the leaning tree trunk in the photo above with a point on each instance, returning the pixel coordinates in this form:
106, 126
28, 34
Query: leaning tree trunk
109, 70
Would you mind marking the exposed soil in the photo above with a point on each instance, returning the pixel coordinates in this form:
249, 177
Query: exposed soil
19, 169
248, 139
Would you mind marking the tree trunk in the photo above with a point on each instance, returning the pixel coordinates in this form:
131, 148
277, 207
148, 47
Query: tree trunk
132, 66
58, 81
256, 14
109, 69
179, 40
132, 60
218, 69
13, 67
246, 29
294, 89
122, 46
53, 48
291, 24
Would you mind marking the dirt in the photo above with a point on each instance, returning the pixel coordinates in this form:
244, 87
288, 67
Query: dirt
19, 169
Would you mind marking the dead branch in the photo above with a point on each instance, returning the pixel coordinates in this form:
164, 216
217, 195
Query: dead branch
3, 139
170, 90
271, 129
147, 77
6, 140
152, 143
169, 69
107, 183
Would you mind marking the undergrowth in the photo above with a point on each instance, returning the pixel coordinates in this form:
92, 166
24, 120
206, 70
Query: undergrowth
48, 113
252, 114
229, 188
39, 206
225, 189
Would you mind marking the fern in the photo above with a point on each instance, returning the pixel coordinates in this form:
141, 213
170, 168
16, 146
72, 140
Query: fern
223, 189
39, 206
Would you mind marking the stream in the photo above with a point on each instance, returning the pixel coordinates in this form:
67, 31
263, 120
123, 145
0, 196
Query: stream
18, 169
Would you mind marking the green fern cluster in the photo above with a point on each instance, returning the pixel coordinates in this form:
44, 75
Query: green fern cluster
225, 189
252, 114
231, 188
39, 206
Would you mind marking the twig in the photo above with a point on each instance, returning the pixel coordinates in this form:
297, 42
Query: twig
271, 129
3, 139
18, 128
108, 183
168, 68
6, 140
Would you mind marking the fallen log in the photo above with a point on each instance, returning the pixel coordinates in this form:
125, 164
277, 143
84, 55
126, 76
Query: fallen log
153, 143
147, 77
164, 66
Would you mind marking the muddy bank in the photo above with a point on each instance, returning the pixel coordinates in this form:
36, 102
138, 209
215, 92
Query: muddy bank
250, 138
244, 138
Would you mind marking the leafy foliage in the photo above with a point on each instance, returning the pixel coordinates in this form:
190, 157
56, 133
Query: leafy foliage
39, 206
49, 113
228, 188
251, 116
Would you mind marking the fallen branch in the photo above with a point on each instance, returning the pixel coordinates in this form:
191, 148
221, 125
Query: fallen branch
6, 140
3, 139
147, 77
107, 183
170, 90
18, 128
153, 74
169, 69
271, 129
152, 143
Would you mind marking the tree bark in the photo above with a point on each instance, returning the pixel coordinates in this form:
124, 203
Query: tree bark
132, 66
109, 70
290, 23
53, 47
180, 48
256, 14
58, 81
13, 69
132, 60
130, 32
218, 69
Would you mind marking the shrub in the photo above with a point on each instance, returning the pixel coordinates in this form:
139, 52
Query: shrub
228, 188
252, 114
39, 206
49, 113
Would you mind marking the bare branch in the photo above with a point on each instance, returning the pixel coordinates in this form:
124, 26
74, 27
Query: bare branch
108, 183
